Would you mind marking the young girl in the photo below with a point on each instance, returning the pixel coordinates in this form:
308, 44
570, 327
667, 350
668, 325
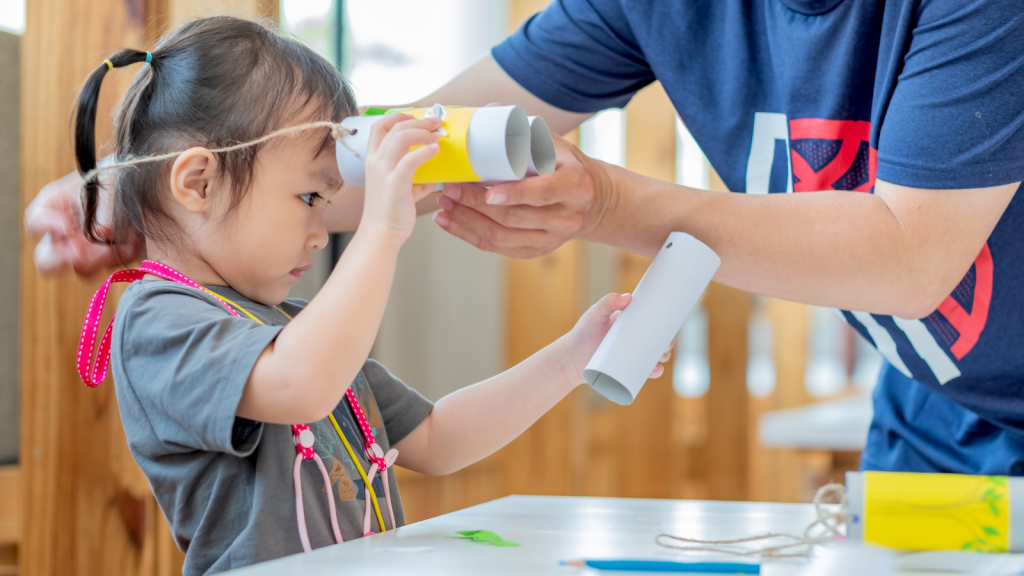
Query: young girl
261, 425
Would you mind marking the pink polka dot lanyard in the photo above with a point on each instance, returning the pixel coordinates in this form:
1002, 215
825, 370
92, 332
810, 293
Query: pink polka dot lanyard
93, 369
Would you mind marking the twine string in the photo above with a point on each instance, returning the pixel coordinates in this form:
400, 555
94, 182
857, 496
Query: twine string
825, 528
337, 131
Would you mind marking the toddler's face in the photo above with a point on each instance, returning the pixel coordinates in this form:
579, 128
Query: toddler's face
266, 243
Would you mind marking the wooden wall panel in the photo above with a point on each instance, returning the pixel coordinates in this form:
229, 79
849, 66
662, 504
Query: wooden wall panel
76, 485
10, 505
543, 303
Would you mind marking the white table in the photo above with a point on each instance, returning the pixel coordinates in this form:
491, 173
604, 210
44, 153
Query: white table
550, 529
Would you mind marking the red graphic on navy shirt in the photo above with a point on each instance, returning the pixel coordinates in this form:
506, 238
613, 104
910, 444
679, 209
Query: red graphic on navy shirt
961, 317
832, 155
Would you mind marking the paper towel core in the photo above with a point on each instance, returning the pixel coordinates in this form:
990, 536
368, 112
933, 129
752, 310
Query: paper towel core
608, 387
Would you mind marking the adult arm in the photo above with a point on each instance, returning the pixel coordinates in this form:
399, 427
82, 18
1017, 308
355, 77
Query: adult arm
899, 251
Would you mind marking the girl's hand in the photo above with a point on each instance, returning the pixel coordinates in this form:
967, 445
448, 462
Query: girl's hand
582, 341
391, 197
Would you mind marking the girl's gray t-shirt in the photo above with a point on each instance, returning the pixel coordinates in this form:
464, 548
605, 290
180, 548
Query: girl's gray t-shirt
180, 361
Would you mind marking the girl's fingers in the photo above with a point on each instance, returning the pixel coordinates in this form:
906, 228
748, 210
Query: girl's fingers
428, 124
658, 371
397, 144
381, 128
665, 357
608, 308
398, 123
421, 191
410, 162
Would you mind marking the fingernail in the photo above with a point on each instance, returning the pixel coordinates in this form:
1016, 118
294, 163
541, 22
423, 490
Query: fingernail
445, 202
453, 191
435, 146
441, 218
496, 198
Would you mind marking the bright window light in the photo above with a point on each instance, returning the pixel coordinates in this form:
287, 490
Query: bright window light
401, 50
603, 136
12, 16
691, 164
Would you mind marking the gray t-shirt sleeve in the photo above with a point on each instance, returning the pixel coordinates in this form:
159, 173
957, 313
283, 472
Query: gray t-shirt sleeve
187, 360
401, 408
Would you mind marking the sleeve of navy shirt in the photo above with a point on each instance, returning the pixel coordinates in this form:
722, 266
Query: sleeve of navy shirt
577, 55
955, 111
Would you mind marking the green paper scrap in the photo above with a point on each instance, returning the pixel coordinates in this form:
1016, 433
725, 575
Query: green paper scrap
486, 537
374, 111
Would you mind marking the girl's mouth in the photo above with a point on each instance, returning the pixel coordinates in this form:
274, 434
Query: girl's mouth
297, 272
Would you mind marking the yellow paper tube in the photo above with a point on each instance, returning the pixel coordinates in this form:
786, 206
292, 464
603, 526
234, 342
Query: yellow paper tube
451, 164
913, 511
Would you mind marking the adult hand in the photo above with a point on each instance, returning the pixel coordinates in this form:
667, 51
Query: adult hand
55, 219
531, 217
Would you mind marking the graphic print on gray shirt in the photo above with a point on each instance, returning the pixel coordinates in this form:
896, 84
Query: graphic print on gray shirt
180, 362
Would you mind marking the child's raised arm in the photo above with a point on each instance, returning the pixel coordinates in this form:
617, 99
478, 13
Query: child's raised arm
305, 372
472, 423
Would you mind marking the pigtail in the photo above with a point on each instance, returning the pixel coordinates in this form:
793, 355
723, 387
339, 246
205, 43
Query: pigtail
85, 133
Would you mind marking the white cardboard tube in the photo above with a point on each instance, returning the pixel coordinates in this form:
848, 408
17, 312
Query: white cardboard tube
351, 166
661, 302
542, 148
499, 143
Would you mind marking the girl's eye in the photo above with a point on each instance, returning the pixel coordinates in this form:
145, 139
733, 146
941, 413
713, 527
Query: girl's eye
311, 198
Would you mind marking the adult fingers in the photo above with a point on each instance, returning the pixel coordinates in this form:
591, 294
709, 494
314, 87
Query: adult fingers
498, 238
574, 180
44, 220
457, 229
559, 218
54, 207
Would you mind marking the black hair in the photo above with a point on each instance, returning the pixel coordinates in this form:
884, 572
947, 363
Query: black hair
212, 83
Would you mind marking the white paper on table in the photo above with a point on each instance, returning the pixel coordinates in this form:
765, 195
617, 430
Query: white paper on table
661, 302
960, 561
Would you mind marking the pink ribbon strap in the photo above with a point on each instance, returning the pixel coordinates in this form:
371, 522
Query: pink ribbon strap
93, 369
373, 451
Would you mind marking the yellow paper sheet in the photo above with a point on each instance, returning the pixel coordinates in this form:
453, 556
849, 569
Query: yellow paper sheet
937, 511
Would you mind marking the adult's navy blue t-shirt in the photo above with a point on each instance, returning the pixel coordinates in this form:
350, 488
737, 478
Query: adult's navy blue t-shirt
808, 95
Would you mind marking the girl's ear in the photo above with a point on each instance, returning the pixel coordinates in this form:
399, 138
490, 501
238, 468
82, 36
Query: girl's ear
192, 177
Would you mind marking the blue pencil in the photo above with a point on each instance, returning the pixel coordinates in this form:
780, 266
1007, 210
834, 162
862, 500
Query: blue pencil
667, 566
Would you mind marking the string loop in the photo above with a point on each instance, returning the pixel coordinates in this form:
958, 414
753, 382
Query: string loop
825, 528
337, 132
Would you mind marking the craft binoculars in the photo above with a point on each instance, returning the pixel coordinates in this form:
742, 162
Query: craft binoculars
490, 145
